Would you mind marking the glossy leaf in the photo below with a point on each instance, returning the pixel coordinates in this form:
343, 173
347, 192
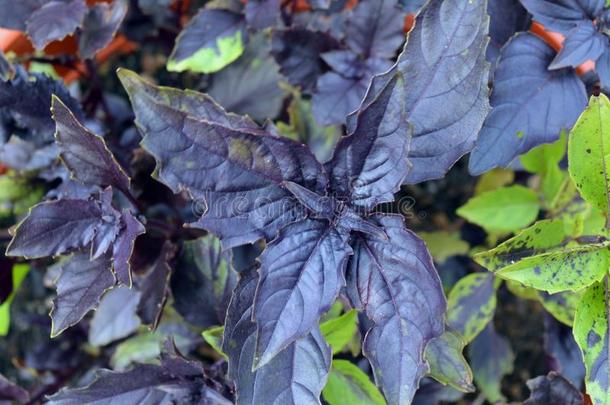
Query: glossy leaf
371, 162
563, 15
491, 358
212, 39
591, 334
588, 149
347, 384
296, 375
471, 305
504, 209
514, 126
55, 20
301, 274
115, 317
99, 27
338, 332
203, 281
85, 153
394, 281
582, 43
79, 289
447, 363
552, 389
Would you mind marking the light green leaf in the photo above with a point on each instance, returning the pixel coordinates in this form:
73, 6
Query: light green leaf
539, 159
494, 179
588, 150
561, 305
471, 304
443, 244
592, 335
347, 384
447, 363
213, 337
505, 209
338, 332
19, 273
142, 348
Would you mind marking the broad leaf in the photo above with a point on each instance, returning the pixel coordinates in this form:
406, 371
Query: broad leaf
563, 15
85, 153
347, 384
506, 18
200, 156
203, 281
338, 332
261, 14
394, 281
301, 274
212, 39
56, 227
444, 244
543, 257
101, 23
370, 164
13, 15
564, 353
515, 124
491, 358
296, 375
582, 43
115, 317
471, 305
447, 363
588, 150
504, 209
592, 334
552, 389
55, 20
80, 286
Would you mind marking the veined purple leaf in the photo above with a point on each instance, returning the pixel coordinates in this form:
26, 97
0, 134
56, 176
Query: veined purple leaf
101, 23
55, 20
235, 173
301, 274
552, 389
296, 375
80, 286
115, 317
563, 15
14, 14
123, 247
582, 43
85, 153
203, 281
371, 163
515, 124
297, 51
375, 29
506, 17
564, 353
394, 281
261, 14
154, 287
56, 227
108, 229
12, 392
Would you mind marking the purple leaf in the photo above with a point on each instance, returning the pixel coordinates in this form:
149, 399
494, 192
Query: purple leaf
123, 247
516, 124
563, 15
154, 287
203, 281
552, 389
115, 317
394, 281
295, 376
582, 43
99, 27
565, 355
261, 14
506, 17
12, 392
56, 227
84, 153
301, 274
79, 288
55, 20
371, 163
14, 14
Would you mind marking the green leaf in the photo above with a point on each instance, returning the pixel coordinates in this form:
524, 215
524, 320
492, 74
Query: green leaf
505, 209
347, 384
539, 159
545, 258
471, 304
588, 150
592, 335
494, 179
443, 244
561, 305
19, 273
141, 348
338, 332
213, 337
447, 363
